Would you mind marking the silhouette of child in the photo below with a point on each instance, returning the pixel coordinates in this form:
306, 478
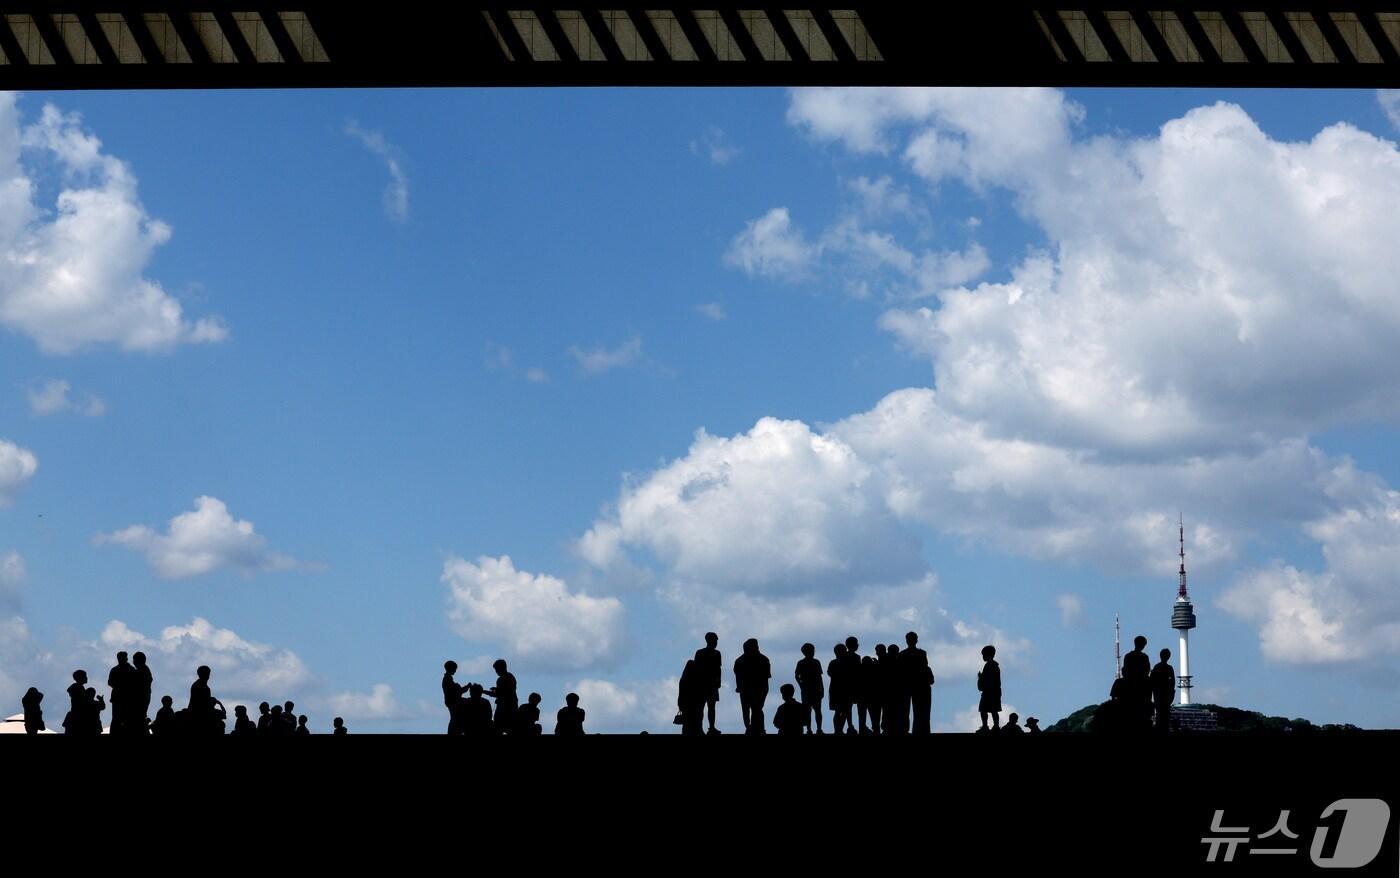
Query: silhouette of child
476, 712
809, 680
569, 720
788, 719
243, 726
989, 684
264, 716
839, 696
339, 727
164, 723
301, 726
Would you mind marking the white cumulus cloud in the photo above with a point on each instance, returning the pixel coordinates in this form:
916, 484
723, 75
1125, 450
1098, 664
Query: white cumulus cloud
17, 467
603, 359
72, 274
534, 618
396, 192
55, 396
200, 541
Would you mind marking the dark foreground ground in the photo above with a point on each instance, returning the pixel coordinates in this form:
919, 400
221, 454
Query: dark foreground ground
953, 804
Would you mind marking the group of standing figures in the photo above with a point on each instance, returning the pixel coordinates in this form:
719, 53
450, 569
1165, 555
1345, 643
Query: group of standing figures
130, 682
890, 692
1141, 699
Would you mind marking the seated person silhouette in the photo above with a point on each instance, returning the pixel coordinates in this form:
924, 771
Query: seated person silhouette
276, 723
569, 720
242, 726
788, 719
339, 725
1032, 725
164, 723
476, 712
1013, 726
527, 718
33, 715
302, 728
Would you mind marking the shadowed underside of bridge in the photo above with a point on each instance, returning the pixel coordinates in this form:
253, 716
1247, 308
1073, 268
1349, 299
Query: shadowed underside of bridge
237, 43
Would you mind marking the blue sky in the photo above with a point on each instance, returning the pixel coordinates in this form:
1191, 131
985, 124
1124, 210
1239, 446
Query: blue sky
958, 359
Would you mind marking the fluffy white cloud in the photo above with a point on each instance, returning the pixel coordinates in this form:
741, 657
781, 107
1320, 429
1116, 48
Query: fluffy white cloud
396, 193
779, 508
625, 707
72, 277
17, 467
201, 541
377, 704
602, 359
1350, 610
771, 246
535, 619
243, 671
54, 396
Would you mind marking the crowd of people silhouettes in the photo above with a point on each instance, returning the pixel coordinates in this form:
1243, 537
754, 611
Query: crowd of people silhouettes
887, 693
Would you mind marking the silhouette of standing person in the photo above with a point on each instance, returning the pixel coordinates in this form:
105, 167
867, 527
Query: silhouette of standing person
989, 684
201, 714
77, 720
752, 672
691, 694
1163, 683
919, 678
33, 715
476, 712
95, 706
289, 717
138, 712
851, 668
569, 720
452, 698
119, 680
507, 702
711, 669
164, 723
840, 697
809, 680
1137, 674
873, 670
277, 723
897, 709
790, 717
264, 718
339, 725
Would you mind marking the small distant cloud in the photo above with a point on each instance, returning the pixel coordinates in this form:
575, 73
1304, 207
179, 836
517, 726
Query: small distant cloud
12, 574
396, 193
712, 310
713, 146
55, 396
602, 359
1071, 608
502, 358
1389, 100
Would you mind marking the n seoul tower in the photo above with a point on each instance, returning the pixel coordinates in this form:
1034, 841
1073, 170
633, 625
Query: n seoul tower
1183, 618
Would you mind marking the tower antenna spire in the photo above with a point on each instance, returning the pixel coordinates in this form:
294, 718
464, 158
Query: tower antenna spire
1181, 537
1117, 650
